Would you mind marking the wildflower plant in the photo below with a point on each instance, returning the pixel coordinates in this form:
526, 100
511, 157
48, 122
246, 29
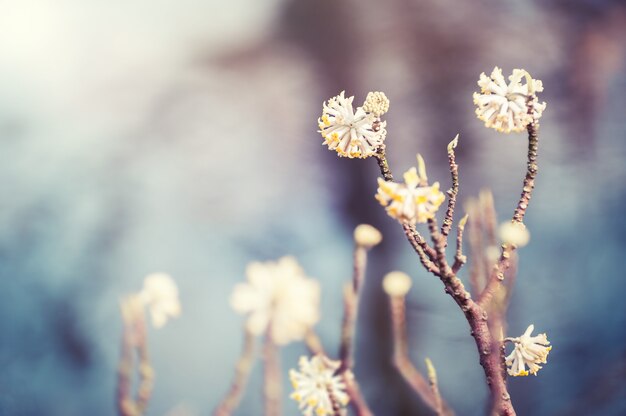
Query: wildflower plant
281, 303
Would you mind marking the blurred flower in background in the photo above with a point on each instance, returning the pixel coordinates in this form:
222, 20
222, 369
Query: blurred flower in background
177, 136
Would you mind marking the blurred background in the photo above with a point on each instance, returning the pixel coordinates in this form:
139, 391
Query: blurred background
181, 137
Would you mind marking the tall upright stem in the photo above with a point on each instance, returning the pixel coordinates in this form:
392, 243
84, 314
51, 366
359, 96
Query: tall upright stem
242, 373
272, 386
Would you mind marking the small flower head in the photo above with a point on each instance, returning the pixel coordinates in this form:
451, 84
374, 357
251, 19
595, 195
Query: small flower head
160, 295
515, 233
505, 107
376, 103
529, 351
409, 201
353, 133
278, 294
317, 387
367, 236
396, 284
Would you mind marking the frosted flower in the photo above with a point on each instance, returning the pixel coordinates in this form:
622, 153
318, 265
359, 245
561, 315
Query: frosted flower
515, 233
160, 295
408, 201
316, 387
278, 294
352, 133
503, 106
396, 284
367, 236
529, 351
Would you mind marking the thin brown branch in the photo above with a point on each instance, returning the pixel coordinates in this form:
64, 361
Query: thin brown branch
424, 251
134, 339
125, 404
272, 385
356, 397
531, 169
313, 343
402, 361
497, 275
488, 349
454, 190
490, 219
351, 303
242, 374
146, 372
383, 165
346, 350
434, 387
477, 279
459, 258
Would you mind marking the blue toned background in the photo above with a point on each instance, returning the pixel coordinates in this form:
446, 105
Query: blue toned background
181, 137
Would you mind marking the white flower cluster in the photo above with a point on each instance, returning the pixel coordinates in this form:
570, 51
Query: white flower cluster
529, 351
317, 387
278, 295
503, 106
160, 295
354, 133
408, 201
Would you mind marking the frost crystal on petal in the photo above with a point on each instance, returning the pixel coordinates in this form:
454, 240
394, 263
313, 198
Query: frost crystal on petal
278, 292
503, 106
529, 351
316, 387
352, 133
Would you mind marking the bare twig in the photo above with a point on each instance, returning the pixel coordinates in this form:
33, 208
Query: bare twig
134, 338
356, 397
146, 373
346, 350
434, 386
351, 302
272, 386
421, 247
454, 190
402, 361
497, 274
313, 343
125, 403
242, 374
459, 258
383, 165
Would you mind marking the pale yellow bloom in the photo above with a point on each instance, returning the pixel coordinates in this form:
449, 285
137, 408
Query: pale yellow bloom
367, 236
513, 232
279, 295
376, 103
529, 351
160, 295
409, 201
396, 284
317, 387
353, 133
503, 106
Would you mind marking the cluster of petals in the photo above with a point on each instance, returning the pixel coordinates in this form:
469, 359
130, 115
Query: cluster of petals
505, 106
408, 201
529, 351
317, 389
354, 133
278, 296
160, 295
